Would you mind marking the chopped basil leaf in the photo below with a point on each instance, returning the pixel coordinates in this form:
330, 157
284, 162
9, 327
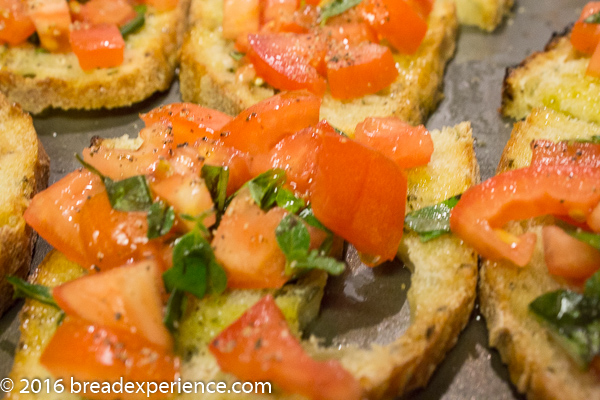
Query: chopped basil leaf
574, 318
195, 269
237, 55
160, 219
24, 289
286, 200
199, 220
294, 240
175, 309
136, 23
264, 187
336, 7
309, 217
593, 19
216, 179
130, 194
433, 221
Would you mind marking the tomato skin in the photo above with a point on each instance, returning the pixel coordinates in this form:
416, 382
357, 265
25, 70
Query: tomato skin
112, 238
546, 152
98, 46
52, 21
357, 71
55, 212
190, 122
351, 33
363, 202
409, 146
396, 21
585, 36
112, 12
119, 164
568, 257
258, 128
88, 353
520, 194
126, 298
259, 346
289, 61
240, 17
16, 24
423, 7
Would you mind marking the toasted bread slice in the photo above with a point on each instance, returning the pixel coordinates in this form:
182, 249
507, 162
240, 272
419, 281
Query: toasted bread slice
441, 299
208, 72
38, 80
24, 168
538, 366
554, 78
485, 14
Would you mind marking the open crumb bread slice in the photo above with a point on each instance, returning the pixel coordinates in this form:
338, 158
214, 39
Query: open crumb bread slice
538, 366
208, 72
441, 298
24, 168
554, 78
38, 80
485, 14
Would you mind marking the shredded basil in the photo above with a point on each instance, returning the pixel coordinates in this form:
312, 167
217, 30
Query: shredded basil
309, 217
336, 7
286, 200
24, 289
574, 318
265, 186
294, 240
431, 222
130, 194
136, 23
175, 309
237, 55
216, 179
160, 219
593, 19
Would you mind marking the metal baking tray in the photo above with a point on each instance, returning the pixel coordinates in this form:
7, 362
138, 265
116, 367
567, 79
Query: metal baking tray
370, 305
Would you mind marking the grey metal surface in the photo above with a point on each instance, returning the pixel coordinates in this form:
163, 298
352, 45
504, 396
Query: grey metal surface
370, 305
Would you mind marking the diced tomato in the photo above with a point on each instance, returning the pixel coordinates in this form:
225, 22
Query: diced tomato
240, 17
126, 298
119, 164
585, 36
187, 194
568, 257
276, 9
112, 238
258, 128
301, 21
289, 61
352, 33
409, 146
223, 156
593, 68
546, 152
355, 71
190, 122
297, 156
593, 220
184, 160
15, 24
360, 194
530, 192
98, 46
260, 347
112, 12
423, 7
396, 21
52, 22
83, 352
162, 5
55, 212
246, 246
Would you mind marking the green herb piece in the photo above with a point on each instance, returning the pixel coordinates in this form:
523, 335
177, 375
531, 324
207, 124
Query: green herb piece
160, 219
309, 217
336, 7
216, 179
593, 19
130, 194
593, 140
237, 55
286, 200
24, 289
431, 222
264, 187
574, 318
199, 220
294, 240
175, 309
136, 23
